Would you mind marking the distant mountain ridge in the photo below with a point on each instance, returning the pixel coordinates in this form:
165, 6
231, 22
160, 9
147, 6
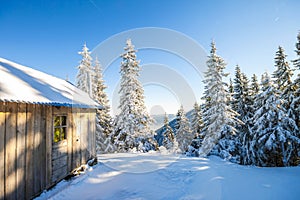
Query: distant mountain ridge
159, 120
159, 131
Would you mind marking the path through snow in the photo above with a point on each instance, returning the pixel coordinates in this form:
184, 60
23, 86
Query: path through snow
156, 176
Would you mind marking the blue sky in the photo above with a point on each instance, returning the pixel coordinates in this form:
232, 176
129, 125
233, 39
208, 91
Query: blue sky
46, 35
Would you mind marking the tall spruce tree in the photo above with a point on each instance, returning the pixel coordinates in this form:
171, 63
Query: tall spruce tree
283, 78
243, 105
219, 119
296, 103
282, 75
249, 157
103, 118
237, 91
274, 142
132, 125
296, 62
85, 72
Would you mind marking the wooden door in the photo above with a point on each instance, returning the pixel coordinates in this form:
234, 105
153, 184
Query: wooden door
59, 148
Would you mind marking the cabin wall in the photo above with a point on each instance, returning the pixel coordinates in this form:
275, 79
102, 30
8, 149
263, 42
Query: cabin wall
30, 161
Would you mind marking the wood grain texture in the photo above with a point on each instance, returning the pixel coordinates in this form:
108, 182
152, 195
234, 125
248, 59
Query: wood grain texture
29, 151
21, 150
30, 161
10, 152
48, 144
2, 149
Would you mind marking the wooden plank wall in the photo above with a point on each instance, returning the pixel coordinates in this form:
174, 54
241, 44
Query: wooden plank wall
37, 159
70, 140
22, 150
84, 135
2, 150
76, 138
48, 144
92, 135
88, 136
29, 151
21, 144
26, 148
10, 151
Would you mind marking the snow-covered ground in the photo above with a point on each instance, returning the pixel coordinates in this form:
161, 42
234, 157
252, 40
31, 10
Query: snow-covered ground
159, 176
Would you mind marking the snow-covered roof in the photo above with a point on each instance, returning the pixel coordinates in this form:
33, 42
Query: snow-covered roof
23, 84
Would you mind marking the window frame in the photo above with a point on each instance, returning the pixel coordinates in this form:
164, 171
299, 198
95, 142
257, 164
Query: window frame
63, 126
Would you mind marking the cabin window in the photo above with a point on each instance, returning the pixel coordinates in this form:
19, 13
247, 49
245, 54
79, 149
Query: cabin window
60, 128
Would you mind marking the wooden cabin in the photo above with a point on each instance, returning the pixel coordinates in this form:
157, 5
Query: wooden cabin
47, 128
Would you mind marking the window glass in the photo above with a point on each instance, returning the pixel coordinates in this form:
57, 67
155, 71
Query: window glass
60, 128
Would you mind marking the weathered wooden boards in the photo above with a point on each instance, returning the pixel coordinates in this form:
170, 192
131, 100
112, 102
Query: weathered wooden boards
30, 161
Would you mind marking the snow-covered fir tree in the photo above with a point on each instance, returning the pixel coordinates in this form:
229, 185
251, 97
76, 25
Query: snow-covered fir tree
219, 119
132, 125
238, 91
197, 130
283, 78
247, 157
205, 107
178, 117
254, 86
243, 105
103, 118
230, 88
85, 71
274, 142
296, 62
231, 93
282, 75
168, 135
196, 121
184, 134
295, 105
